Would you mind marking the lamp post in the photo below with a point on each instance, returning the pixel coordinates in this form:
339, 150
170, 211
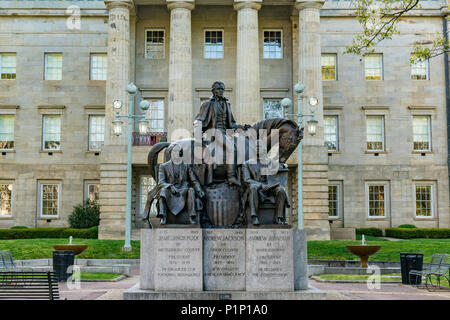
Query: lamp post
117, 129
286, 103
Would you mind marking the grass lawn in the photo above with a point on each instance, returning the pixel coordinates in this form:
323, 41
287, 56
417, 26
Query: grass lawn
333, 250
390, 250
99, 276
397, 278
22, 249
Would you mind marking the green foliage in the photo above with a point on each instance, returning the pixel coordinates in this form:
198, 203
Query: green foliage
375, 232
85, 215
408, 233
407, 226
18, 227
50, 233
379, 19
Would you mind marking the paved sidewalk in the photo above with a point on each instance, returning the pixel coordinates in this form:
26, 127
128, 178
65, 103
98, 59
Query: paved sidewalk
335, 291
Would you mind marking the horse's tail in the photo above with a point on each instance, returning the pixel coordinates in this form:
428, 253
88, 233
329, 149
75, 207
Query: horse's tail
152, 159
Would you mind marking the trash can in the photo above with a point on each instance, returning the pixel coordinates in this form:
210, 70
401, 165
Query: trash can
411, 261
61, 261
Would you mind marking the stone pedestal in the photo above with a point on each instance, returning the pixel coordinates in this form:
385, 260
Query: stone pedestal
223, 264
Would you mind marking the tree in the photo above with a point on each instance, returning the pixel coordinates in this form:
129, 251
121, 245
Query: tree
379, 20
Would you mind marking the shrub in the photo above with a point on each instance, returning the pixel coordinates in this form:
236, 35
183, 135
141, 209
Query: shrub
407, 226
409, 233
85, 215
375, 232
50, 233
18, 227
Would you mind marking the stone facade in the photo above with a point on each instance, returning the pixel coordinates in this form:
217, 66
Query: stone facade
308, 28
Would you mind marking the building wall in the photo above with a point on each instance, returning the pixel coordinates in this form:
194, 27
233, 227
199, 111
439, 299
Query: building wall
30, 37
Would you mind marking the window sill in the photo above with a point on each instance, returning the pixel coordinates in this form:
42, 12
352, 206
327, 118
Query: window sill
425, 218
377, 219
334, 152
50, 151
334, 218
48, 218
7, 151
6, 218
420, 152
93, 151
372, 152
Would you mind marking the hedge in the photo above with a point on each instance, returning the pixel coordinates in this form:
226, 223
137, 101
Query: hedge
407, 233
407, 226
49, 233
375, 232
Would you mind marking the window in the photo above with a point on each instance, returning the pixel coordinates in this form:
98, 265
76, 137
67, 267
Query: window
273, 109
6, 132
53, 66
49, 199
419, 69
5, 199
329, 66
422, 133
333, 200
377, 199
156, 115
96, 132
8, 66
92, 190
373, 65
146, 184
331, 132
154, 44
424, 199
375, 133
99, 66
213, 44
273, 44
51, 132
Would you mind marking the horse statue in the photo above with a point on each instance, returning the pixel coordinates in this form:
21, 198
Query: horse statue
289, 136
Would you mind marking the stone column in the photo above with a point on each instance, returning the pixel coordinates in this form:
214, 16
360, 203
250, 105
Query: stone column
315, 156
179, 113
248, 107
114, 153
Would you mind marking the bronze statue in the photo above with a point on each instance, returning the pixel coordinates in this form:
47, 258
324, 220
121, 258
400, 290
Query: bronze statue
178, 189
216, 114
259, 190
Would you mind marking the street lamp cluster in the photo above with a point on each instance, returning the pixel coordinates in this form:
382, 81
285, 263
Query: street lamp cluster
286, 103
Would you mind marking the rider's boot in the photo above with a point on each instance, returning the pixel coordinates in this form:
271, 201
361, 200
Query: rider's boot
231, 176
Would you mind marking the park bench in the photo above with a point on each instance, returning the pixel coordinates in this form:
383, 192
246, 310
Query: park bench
27, 285
438, 267
6, 260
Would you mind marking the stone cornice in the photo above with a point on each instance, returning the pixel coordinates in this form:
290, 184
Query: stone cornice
111, 4
190, 5
255, 5
303, 4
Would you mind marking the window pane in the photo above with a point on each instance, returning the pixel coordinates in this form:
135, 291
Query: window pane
373, 66
272, 45
331, 132
8, 66
147, 184
49, 199
333, 201
424, 205
53, 66
94, 192
419, 69
213, 45
421, 133
6, 131
154, 46
51, 134
273, 109
5, 199
328, 66
99, 66
156, 115
96, 132
375, 139
376, 200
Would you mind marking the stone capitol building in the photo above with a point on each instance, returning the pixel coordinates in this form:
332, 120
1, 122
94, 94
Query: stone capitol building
379, 158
